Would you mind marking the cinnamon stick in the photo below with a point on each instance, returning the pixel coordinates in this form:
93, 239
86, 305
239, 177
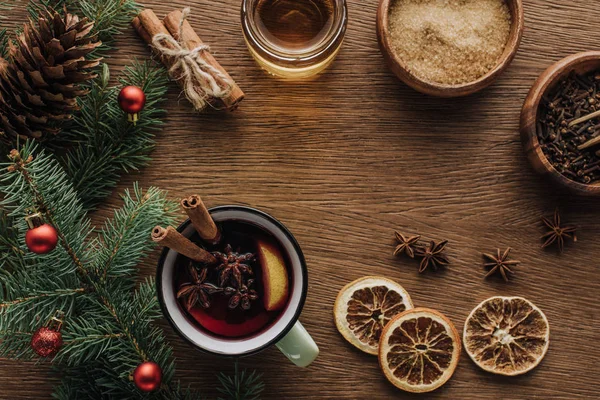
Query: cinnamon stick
201, 219
147, 25
174, 240
191, 40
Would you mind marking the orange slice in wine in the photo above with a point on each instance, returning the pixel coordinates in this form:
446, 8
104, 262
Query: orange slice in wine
506, 335
365, 306
274, 275
419, 350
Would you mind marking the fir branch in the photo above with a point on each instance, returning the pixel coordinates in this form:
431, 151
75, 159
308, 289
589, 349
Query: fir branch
16, 344
36, 306
106, 144
111, 353
32, 298
242, 385
131, 314
33, 293
44, 303
82, 383
11, 255
87, 339
38, 182
79, 383
107, 323
125, 238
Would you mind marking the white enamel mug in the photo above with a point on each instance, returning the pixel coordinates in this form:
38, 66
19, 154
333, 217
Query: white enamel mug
287, 333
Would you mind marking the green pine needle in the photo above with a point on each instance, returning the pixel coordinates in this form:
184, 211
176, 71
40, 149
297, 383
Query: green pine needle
11, 256
242, 385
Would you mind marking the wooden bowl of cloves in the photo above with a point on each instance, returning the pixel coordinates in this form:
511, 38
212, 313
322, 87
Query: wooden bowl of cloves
560, 123
449, 50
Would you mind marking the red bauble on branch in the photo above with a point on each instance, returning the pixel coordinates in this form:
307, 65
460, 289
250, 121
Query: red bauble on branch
147, 376
47, 340
41, 238
132, 100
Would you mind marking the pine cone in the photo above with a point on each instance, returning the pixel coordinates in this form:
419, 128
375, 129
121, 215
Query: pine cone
40, 82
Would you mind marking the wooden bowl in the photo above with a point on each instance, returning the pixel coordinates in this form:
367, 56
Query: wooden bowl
442, 90
581, 63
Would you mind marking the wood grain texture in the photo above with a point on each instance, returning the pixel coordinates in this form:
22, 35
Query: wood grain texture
345, 159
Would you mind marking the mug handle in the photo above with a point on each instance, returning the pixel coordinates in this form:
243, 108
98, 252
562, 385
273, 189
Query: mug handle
299, 346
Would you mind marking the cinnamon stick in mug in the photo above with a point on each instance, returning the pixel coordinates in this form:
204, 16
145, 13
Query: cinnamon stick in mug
174, 240
201, 219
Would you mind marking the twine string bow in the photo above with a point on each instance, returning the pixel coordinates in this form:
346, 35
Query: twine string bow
201, 81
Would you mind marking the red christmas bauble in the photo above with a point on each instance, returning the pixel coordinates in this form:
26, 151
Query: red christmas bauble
41, 239
132, 99
46, 342
147, 376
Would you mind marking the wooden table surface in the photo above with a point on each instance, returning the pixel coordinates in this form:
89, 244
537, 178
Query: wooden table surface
346, 159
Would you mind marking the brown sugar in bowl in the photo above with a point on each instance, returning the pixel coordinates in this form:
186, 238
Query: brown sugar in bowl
440, 89
580, 63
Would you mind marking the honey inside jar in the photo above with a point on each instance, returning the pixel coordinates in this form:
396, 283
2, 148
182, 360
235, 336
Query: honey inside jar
294, 24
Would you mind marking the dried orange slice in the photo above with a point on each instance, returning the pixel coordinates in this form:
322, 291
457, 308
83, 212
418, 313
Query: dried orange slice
506, 335
365, 306
419, 350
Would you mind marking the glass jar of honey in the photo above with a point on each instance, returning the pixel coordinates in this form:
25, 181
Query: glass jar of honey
294, 38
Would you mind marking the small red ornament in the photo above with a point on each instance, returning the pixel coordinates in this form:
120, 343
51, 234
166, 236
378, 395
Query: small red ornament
47, 340
41, 238
147, 376
132, 100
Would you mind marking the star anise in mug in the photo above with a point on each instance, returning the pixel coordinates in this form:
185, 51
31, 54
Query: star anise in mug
232, 265
406, 245
198, 290
432, 254
499, 263
242, 296
557, 234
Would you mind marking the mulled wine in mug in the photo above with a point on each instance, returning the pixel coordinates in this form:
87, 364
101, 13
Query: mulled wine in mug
249, 298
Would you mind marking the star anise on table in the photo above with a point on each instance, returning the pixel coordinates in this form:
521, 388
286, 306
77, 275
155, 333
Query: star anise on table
198, 290
557, 233
242, 296
406, 245
499, 264
432, 254
232, 265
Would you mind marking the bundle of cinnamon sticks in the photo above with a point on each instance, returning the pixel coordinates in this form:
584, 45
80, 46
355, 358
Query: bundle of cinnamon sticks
148, 25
